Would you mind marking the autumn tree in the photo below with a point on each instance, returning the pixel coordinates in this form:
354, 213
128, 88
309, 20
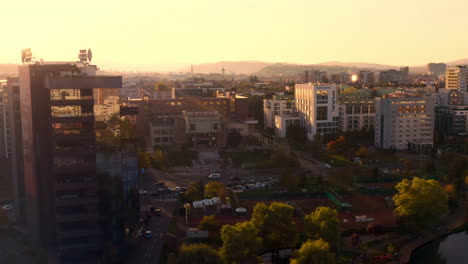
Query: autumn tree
423, 201
212, 189
241, 243
198, 254
210, 223
323, 223
362, 152
313, 252
275, 225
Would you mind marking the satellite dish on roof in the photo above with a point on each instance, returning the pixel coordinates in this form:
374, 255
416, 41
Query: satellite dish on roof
90, 55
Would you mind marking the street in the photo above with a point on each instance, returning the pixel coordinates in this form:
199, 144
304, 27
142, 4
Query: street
148, 250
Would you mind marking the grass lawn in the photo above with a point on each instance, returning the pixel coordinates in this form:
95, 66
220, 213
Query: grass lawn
334, 159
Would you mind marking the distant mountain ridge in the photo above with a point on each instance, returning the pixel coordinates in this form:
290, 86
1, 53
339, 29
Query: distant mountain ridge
239, 67
9, 68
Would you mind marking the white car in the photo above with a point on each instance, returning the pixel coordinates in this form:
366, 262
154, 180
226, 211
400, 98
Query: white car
141, 192
214, 176
328, 166
7, 207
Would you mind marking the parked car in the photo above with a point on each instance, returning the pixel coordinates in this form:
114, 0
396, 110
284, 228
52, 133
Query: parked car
158, 184
148, 234
214, 176
328, 166
141, 192
157, 211
7, 207
177, 188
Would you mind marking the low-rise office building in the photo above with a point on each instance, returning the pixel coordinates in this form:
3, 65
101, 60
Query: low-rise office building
279, 105
282, 122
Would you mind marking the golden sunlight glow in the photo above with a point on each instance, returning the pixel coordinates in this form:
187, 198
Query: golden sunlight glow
354, 78
171, 34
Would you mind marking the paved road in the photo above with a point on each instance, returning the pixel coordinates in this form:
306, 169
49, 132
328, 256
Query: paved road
148, 251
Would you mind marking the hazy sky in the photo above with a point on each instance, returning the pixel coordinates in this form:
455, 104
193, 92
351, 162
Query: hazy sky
171, 33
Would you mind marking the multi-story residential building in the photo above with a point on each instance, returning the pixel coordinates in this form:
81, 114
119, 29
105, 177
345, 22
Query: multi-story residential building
279, 105
451, 120
394, 76
317, 106
338, 78
451, 112
67, 118
282, 122
356, 113
437, 69
404, 122
10, 124
366, 77
456, 78
314, 76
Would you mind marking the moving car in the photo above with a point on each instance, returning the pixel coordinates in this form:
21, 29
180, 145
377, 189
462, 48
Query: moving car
214, 176
328, 166
7, 207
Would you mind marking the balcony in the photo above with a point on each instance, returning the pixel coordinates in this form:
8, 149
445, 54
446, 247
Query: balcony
83, 82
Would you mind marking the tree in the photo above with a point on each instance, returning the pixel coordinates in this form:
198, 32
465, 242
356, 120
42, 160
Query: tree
456, 171
323, 223
198, 254
210, 223
314, 251
3, 219
362, 152
275, 224
212, 189
143, 160
194, 192
234, 138
241, 243
158, 160
423, 201
288, 180
296, 134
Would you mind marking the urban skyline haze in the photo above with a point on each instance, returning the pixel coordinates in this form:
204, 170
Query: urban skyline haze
169, 35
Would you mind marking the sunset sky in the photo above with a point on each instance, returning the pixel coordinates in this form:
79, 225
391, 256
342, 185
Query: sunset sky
172, 33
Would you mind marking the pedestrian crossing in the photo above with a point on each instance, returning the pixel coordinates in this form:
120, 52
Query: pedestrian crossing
165, 200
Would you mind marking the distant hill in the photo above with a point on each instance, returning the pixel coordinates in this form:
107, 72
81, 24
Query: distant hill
458, 62
8, 68
360, 65
239, 67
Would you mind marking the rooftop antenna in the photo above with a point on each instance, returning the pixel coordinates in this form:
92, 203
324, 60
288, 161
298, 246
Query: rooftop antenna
26, 55
85, 56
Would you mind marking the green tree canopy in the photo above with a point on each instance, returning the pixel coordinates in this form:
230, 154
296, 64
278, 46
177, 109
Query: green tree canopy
323, 223
3, 219
198, 254
420, 200
210, 223
275, 225
234, 138
212, 189
194, 192
296, 134
314, 252
143, 160
241, 243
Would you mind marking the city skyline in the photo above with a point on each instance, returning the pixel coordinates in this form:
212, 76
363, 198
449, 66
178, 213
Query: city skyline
169, 36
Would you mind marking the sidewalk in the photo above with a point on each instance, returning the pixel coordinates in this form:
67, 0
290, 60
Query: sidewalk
458, 219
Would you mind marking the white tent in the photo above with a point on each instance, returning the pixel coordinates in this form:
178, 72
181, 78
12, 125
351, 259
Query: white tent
241, 210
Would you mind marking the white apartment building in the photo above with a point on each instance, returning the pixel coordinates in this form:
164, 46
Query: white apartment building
283, 121
279, 105
356, 113
317, 105
403, 122
456, 78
